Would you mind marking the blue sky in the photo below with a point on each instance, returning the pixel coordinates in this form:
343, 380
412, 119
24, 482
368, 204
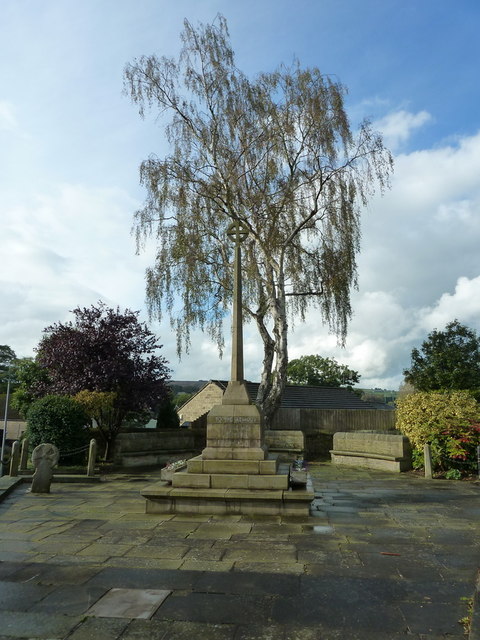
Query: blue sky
71, 144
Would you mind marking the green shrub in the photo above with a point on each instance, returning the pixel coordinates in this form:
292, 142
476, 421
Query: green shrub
448, 421
59, 420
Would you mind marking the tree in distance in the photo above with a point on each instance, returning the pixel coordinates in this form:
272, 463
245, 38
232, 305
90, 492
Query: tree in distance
321, 372
109, 361
7, 359
275, 153
29, 376
448, 360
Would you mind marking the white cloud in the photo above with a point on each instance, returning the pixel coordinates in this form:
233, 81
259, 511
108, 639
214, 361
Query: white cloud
62, 250
463, 305
398, 126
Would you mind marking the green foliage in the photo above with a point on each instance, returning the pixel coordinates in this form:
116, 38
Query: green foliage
167, 417
418, 459
448, 421
29, 375
317, 371
453, 474
179, 399
448, 359
59, 420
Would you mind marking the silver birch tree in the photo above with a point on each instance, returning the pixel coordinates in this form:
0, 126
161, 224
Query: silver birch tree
276, 153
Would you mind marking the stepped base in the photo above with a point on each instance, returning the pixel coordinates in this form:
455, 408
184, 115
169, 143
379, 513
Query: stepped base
233, 475
163, 498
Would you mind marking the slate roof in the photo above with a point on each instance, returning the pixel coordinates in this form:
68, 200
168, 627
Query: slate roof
310, 397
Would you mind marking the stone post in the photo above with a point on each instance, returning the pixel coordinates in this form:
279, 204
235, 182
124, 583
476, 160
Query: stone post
24, 454
427, 456
15, 459
92, 457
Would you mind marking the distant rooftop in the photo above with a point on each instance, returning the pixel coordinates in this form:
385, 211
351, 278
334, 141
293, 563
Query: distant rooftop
312, 397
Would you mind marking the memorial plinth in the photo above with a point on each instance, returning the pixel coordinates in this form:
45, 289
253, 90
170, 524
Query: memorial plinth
233, 474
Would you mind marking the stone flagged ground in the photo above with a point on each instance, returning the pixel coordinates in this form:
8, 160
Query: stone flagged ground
383, 556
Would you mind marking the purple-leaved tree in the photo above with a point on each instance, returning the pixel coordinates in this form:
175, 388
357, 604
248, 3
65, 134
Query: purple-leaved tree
111, 355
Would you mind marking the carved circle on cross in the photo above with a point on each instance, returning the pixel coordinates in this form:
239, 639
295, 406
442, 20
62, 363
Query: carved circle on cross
237, 231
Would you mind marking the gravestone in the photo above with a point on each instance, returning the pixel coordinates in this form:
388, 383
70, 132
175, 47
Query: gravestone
92, 457
15, 459
45, 459
24, 455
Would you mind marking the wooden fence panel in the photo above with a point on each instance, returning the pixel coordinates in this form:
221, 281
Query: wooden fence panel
333, 420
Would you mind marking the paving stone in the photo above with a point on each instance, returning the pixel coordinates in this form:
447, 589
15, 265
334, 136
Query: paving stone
69, 600
158, 551
145, 578
128, 603
21, 597
144, 562
147, 630
180, 630
205, 565
99, 629
249, 583
295, 568
270, 632
17, 624
428, 618
215, 608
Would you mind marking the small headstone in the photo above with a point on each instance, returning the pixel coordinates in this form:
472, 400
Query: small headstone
24, 455
92, 457
15, 459
44, 458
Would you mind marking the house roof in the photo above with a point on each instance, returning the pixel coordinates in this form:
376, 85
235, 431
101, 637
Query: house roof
311, 397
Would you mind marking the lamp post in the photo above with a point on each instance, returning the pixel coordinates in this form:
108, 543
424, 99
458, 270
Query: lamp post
5, 423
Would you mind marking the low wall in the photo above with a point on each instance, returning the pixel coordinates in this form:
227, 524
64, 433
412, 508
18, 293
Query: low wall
155, 446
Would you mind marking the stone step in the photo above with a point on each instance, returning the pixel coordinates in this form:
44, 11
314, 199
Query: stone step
230, 481
163, 498
248, 467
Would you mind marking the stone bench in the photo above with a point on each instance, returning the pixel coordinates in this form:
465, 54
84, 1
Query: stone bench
287, 444
372, 450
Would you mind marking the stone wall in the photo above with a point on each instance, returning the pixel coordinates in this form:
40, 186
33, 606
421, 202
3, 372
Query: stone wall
153, 447
386, 451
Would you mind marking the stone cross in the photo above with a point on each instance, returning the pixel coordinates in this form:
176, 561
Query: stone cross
237, 232
44, 458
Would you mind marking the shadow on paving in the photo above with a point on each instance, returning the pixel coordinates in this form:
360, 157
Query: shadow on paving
381, 557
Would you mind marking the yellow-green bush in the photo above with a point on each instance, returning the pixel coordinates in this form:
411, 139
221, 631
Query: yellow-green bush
447, 420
